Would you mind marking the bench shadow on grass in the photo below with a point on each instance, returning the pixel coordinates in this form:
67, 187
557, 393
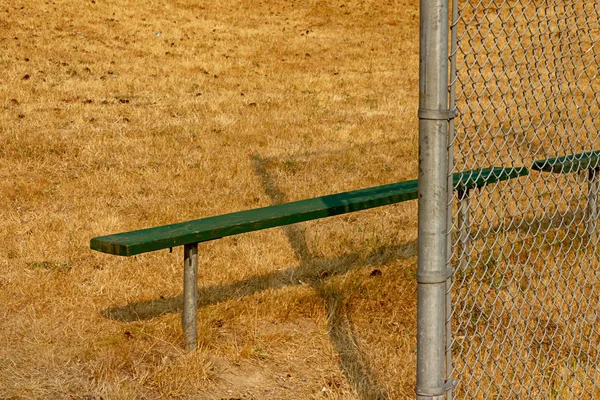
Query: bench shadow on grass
306, 273
352, 361
311, 271
536, 225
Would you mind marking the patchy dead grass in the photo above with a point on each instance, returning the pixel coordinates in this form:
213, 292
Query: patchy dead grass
126, 114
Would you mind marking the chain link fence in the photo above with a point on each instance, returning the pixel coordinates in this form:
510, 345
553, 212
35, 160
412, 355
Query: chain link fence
525, 320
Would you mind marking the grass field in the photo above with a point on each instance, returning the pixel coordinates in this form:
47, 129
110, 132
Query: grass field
129, 114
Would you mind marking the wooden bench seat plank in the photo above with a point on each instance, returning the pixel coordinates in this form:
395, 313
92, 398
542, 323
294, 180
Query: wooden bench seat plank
201, 230
568, 164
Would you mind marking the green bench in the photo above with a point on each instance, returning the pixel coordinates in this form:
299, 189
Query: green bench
589, 161
189, 234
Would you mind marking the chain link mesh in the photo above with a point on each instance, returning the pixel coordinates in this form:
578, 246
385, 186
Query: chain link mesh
526, 291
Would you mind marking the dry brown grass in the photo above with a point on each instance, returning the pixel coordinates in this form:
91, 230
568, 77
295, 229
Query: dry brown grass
128, 114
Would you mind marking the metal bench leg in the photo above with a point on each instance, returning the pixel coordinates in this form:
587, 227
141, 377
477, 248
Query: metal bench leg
592, 207
464, 226
190, 294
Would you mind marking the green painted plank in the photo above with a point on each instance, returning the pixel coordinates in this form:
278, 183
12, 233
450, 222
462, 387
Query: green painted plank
486, 176
201, 230
570, 163
210, 228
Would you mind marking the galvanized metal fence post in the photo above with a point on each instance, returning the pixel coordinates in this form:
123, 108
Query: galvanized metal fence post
433, 201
